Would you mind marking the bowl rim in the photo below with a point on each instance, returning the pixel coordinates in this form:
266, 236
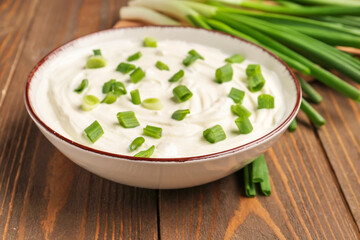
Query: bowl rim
180, 159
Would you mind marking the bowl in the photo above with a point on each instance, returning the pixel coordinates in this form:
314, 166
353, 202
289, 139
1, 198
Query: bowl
165, 173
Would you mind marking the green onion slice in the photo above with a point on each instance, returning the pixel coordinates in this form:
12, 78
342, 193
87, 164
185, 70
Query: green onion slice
135, 97
244, 125
84, 83
224, 73
177, 76
214, 134
115, 87
182, 93
152, 131
240, 111
152, 104
94, 131
162, 66
180, 114
109, 98
89, 102
150, 42
96, 62
146, 153
97, 52
127, 119
266, 101
136, 143
125, 67
253, 69
192, 57
236, 95
134, 57
137, 75
236, 58
256, 83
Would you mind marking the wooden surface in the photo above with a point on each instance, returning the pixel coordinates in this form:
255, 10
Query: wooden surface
315, 173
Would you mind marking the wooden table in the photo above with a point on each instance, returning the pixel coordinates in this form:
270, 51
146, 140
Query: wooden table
315, 173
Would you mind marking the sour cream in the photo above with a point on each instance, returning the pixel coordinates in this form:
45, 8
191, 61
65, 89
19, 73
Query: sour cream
209, 105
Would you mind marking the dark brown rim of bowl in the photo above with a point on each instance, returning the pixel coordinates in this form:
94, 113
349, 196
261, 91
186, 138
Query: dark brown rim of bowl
182, 159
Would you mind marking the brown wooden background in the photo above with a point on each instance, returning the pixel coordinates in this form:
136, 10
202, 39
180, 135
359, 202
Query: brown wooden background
315, 173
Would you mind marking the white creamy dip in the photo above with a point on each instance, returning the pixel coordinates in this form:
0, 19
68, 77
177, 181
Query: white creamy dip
209, 105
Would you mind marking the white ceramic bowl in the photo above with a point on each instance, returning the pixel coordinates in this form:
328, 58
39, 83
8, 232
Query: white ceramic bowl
164, 173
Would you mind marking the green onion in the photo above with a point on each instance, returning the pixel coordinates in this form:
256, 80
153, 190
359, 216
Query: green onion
266, 101
152, 104
150, 42
94, 131
177, 76
312, 114
214, 134
96, 62
244, 125
127, 119
152, 131
125, 67
89, 102
265, 185
182, 93
180, 114
84, 83
249, 185
162, 66
236, 95
135, 97
97, 52
224, 74
259, 169
136, 143
256, 82
134, 57
253, 69
240, 111
115, 87
109, 98
292, 127
192, 57
310, 92
236, 58
137, 75
146, 153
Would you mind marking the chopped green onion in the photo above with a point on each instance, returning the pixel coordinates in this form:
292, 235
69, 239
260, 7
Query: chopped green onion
125, 67
146, 153
266, 101
224, 73
253, 69
136, 143
236, 58
236, 95
182, 93
134, 57
259, 169
256, 82
249, 185
180, 114
192, 57
117, 88
94, 131
292, 126
150, 42
97, 52
162, 66
135, 97
214, 134
127, 119
96, 62
177, 76
84, 83
108, 86
152, 104
244, 125
109, 98
240, 111
137, 75
152, 131
89, 102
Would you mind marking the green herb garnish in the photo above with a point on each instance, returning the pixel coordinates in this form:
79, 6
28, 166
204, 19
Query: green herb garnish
236, 58
192, 57
182, 93
135, 97
152, 131
89, 102
266, 101
162, 66
236, 95
224, 73
84, 83
240, 111
136, 143
127, 119
150, 42
125, 67
137, 75
94, 131
180, 114
214, 134
146, 153
152, 104
134, 57
244, 125
177, 76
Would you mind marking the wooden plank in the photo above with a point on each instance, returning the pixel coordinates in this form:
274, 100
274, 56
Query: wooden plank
341, 140
306, 202
43, 195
